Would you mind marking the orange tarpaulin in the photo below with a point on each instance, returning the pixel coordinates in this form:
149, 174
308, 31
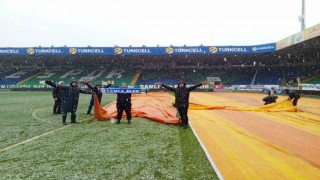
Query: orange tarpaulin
283, 106
157, 107
259, 144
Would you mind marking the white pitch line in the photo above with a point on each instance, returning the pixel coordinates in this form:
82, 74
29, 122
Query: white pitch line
207, 154
34, 115
36, 137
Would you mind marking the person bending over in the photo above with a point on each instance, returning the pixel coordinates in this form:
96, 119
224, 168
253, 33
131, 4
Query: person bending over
293, 96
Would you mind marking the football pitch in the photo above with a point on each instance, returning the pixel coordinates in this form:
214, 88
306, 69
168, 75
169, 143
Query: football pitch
34, 144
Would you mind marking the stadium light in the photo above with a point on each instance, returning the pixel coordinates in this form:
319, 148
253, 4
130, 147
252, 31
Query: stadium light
302, 18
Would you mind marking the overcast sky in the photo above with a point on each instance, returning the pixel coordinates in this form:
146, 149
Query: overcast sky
25, 23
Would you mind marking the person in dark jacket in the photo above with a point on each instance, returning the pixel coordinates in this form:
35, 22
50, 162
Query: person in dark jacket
95, 89
123, 104
293, 96
270, 99
57, 95
70, 99
182, 99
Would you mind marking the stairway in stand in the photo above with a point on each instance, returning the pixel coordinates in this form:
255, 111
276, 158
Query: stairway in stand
136, 77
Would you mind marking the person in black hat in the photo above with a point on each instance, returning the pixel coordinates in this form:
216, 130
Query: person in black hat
95, 89
293, 96
57, 95
123, 104
70, 99
182, 99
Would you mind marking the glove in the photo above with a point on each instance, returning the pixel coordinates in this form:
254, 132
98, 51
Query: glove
55, 99
48, 81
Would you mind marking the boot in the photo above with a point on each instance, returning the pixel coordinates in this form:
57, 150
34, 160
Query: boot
54, 110
118, 122
73, 119
64, 120
129, 121
180, 122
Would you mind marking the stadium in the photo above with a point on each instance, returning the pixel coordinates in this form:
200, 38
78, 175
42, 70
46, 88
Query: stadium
232, 134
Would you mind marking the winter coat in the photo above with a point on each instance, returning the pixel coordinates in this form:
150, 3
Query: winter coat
124, 98
182, 94
70, 97
293, 95
57, 93
270, 99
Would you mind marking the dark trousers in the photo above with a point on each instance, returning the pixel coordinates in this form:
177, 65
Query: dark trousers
183, 111
295, 101
65, 113
91, 105
56, 106
124, 107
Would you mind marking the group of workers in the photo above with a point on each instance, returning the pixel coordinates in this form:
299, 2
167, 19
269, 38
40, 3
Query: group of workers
67, 97
271, 98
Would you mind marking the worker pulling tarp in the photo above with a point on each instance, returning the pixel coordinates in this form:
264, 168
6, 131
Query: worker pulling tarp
157, 107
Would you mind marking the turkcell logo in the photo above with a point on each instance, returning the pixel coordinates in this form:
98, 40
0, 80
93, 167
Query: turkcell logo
188, 50
73, 50
86, 51
232, 49
44, 51
132, 51
266, 48
136, 51
9, 51
169, 50
30, 51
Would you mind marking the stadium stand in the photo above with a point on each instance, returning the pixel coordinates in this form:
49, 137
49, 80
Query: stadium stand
280, 67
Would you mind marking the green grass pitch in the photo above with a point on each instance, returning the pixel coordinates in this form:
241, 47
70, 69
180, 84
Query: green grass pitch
91, 149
